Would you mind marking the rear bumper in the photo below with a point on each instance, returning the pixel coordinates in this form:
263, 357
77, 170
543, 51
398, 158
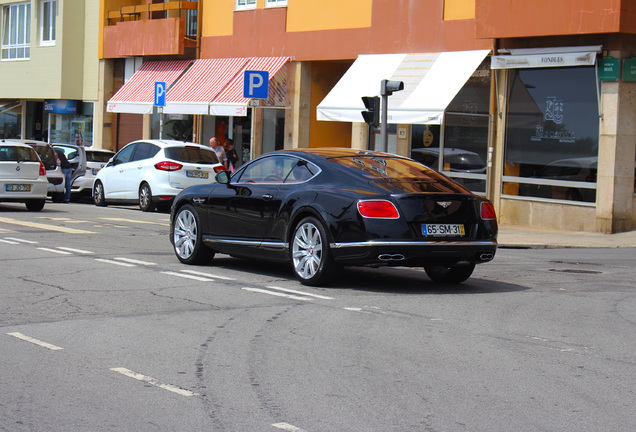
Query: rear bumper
409, 253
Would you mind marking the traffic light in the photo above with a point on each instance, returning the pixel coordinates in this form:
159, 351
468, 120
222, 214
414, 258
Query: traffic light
388, 87
372, 114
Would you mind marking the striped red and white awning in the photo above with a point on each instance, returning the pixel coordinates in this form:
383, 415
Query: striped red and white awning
201, 84
138, 93
231, 101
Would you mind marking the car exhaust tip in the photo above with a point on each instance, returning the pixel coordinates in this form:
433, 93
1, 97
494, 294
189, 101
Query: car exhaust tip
391, 257
486, 256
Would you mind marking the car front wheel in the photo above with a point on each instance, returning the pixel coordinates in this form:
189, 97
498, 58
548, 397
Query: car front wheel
310, 254
187, 237
450, 274
98, 194
145, 198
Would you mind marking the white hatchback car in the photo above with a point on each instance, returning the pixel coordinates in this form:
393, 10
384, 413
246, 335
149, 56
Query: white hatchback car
22, 175
152, 172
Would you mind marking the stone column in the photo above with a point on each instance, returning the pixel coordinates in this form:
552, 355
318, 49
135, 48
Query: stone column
299, 97
617, 148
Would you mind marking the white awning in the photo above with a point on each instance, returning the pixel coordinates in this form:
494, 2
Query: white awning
431, 81
546, 57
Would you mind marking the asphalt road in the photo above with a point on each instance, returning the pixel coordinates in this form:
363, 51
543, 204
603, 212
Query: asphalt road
103, 329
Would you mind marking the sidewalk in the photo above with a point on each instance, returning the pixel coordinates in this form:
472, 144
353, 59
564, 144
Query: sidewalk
511, 236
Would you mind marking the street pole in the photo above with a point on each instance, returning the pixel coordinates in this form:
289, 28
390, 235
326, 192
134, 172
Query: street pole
383, 122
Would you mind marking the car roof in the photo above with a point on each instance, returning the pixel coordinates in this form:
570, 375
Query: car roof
14, 143
169, 143
333, 152
100, 150
28, 142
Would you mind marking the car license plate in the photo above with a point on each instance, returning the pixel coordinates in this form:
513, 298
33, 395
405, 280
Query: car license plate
18, 188
443, 230
197, 174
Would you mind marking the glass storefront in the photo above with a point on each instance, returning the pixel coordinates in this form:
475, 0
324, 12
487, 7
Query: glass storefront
552, 134
10, 119
69, 122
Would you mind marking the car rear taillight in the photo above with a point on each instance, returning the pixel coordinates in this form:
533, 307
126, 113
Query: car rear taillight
42, 169
379, 209
488, 211
218, 169
168, 166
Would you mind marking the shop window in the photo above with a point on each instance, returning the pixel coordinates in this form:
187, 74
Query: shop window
47, 22
552, 134
16, 31
463, 155
273, 131
10, 119
245, 4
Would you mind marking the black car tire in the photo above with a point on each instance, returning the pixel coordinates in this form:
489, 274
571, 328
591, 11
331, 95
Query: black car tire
187, 237
98, 194
145, 198
35, 204
450, 274
310, 255
57, 197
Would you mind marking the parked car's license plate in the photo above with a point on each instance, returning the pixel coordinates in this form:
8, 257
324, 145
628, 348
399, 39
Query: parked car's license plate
197, 174
443, 230
18, 188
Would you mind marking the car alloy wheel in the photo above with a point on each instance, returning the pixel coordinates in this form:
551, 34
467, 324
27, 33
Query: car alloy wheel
145, 198
186, 237
310, 254
450, 274
98, 194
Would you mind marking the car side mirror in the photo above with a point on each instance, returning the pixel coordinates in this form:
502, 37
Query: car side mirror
223, 177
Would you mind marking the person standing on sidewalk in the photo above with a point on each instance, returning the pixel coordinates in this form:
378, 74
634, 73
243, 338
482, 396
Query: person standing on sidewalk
219, 150
67, 170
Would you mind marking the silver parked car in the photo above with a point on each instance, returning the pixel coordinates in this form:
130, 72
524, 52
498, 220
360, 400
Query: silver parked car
22, 175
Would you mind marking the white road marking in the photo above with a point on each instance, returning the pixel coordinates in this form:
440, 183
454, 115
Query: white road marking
194, 272
352, 309
135, 221
186, 276
287, 427
21, 240
134, 261
9, 242
154, 382
45, 226
79, 251
123, 264
318, 296
35, 341
60, 252
277, 294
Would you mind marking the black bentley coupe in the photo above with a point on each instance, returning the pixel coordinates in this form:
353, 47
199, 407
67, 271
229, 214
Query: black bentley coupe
321, 209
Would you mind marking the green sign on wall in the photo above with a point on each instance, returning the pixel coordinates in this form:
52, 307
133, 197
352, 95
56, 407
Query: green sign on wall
629, 69
609, 68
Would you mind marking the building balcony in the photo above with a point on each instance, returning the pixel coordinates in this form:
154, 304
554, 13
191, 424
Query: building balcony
150, 29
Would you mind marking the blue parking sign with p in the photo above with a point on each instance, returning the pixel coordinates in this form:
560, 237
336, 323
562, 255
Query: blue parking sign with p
256, 84
160, 93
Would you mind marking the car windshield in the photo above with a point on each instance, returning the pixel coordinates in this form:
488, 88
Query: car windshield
387, 171
192, 154
92, 156
17, 154
48, 156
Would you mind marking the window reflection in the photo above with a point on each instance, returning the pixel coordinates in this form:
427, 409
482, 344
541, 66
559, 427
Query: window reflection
552, 134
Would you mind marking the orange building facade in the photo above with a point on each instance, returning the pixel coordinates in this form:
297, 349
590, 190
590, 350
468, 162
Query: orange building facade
530, 106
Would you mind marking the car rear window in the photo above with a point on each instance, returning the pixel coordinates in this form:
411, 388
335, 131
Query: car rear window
17, 154
92, 156
197, 155
395, 170
48, 156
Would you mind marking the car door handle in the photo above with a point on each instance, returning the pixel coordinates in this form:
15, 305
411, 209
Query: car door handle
268, 197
